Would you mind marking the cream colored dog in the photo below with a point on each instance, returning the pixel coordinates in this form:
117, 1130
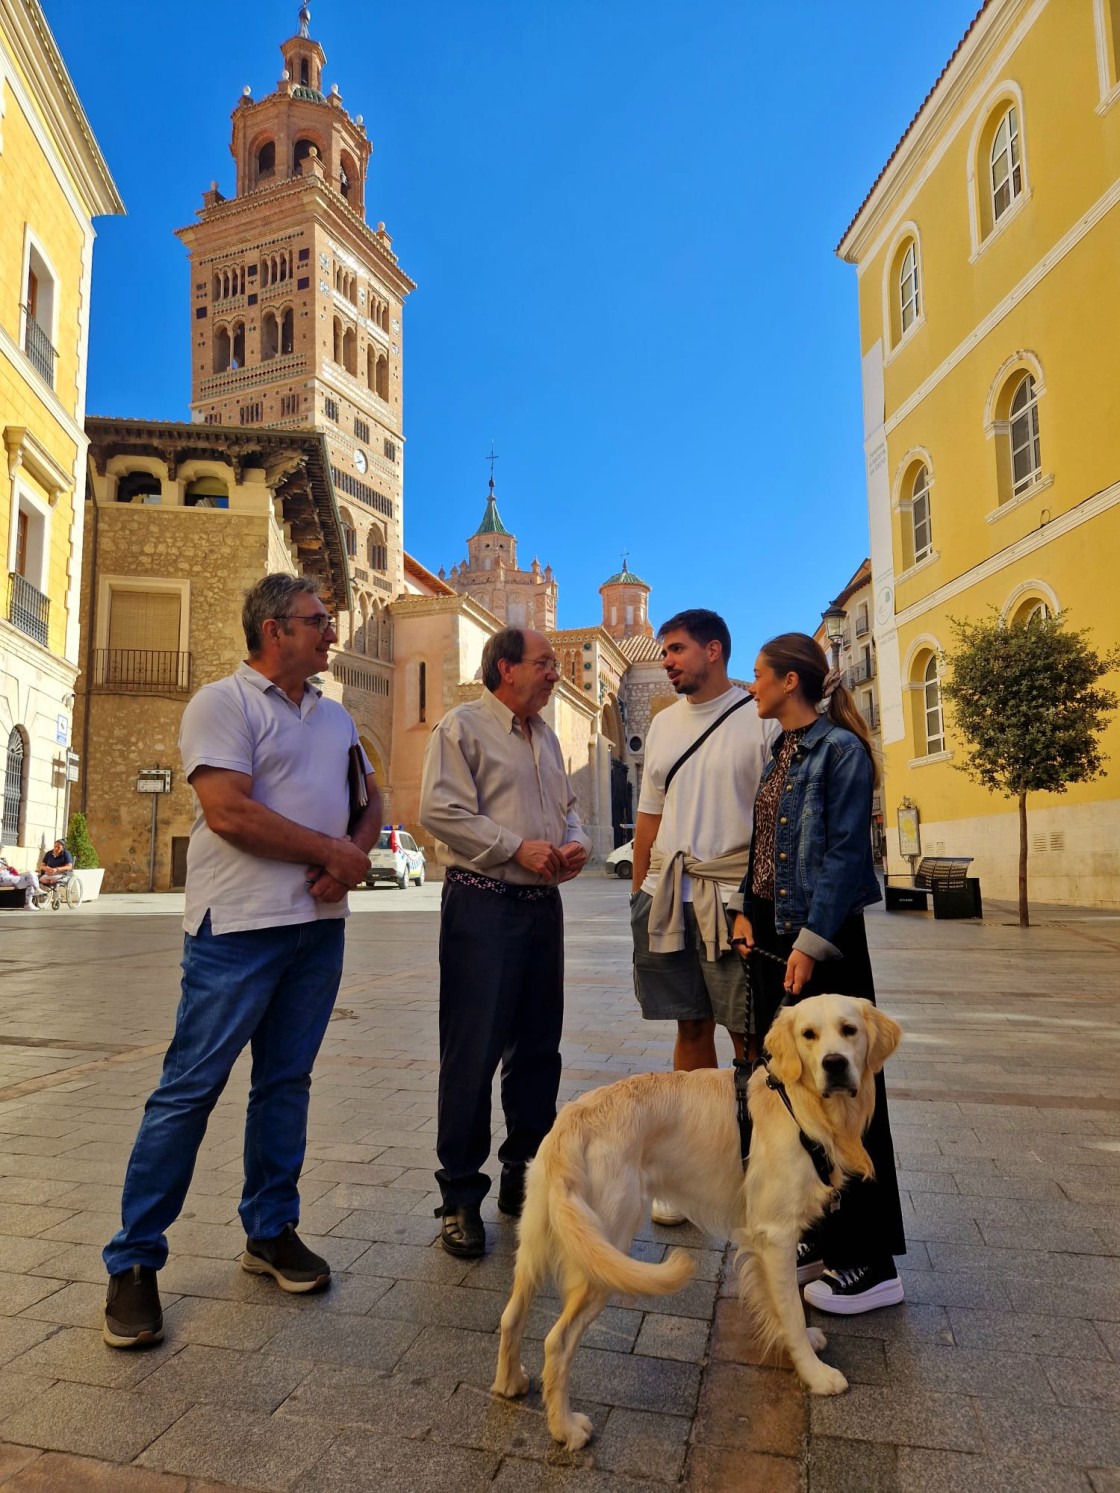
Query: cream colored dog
675, 1136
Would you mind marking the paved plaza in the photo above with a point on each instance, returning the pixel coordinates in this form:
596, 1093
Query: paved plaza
1000, 1372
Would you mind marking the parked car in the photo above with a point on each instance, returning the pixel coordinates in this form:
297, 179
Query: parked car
395, 857
620, 862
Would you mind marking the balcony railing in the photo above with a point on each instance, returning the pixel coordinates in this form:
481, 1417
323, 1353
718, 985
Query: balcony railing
28, 608
863, 627
860, 673
141, 670
870, 714
37, 346
381, 583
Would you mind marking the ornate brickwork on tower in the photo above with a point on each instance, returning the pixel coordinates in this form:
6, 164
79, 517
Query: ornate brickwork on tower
626, 604
518, 598
296, 310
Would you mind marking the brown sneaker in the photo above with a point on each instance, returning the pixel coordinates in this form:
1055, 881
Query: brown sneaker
288, 1260
133, 1315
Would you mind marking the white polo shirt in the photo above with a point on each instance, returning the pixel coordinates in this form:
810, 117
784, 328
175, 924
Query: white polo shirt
297, 757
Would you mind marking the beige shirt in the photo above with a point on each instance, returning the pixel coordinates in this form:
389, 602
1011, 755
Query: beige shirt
488, 785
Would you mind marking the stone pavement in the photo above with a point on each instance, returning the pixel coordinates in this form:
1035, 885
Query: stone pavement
1000, 1372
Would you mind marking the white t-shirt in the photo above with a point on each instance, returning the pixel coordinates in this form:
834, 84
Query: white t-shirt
710, 808
297, 757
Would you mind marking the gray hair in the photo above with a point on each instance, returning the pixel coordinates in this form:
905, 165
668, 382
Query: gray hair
271, 597
507, 643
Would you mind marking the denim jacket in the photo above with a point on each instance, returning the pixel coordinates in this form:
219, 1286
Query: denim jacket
823, 871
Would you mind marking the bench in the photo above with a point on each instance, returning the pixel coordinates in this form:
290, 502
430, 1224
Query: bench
11, 896
944, 878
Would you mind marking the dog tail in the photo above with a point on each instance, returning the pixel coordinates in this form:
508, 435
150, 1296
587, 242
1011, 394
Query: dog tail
578, 1226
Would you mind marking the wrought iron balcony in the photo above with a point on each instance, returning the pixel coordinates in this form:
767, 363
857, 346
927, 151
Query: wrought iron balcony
860, 673
141, 670
870, 714
863, 627
28, 608
37, 346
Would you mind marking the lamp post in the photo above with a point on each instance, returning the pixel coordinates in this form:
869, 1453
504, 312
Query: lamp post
834, 618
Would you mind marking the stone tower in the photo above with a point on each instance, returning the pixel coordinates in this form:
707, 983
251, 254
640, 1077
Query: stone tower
489, 575
296, 309
626, 605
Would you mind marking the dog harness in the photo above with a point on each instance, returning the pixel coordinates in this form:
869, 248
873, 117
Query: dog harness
818, 1155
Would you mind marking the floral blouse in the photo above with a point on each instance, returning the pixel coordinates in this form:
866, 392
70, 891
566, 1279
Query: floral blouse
766, 816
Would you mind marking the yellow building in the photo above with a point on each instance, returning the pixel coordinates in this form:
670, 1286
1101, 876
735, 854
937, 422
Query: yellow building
53, 182
987, 254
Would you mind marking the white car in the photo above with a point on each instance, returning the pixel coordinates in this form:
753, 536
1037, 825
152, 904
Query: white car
396, 857
620, 862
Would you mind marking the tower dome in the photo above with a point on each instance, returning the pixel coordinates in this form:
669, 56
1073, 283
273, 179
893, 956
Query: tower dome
626, 604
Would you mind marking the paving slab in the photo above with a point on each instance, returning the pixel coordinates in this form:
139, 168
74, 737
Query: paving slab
999, 1371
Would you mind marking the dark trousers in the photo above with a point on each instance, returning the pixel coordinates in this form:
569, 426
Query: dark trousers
501, 1000
868, 1222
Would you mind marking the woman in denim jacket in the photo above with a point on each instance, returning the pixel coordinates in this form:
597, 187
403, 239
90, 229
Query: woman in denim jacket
810, 877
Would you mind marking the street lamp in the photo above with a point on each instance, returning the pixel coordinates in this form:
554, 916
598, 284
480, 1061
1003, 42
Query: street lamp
834, 619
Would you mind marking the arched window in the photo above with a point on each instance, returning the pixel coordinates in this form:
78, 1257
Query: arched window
304, 73
375, 551
287, 331
1006, 169
336, 344
1033, 610
266, 161
303, 149
422, 692
350, 350
221, 349
1026, 455
920, 516
371, 368
349, 536
909, 292
270, 336
15, 788
237, 346
206, 492
382, 378
932, 714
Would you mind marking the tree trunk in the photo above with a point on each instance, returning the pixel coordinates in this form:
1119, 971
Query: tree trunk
1024, 914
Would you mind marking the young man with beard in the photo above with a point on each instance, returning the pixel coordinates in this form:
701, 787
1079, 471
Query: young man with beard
691, 842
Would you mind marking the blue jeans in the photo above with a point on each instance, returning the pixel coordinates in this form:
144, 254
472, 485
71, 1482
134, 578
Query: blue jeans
273, 988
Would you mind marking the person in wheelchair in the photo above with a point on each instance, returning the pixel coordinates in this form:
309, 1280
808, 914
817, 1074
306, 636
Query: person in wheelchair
56, 865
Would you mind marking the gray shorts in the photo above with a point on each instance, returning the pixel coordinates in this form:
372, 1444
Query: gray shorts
685, 985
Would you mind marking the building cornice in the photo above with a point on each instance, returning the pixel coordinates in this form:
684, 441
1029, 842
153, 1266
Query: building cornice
425, 606
40, 60
581, 635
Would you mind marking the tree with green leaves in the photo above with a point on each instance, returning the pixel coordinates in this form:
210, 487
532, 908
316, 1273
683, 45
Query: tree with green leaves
1026, 696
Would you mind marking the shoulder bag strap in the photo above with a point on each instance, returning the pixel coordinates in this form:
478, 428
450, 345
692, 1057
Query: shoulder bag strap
701, 739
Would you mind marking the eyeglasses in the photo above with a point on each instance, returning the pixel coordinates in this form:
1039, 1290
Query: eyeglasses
544, 663
320, 620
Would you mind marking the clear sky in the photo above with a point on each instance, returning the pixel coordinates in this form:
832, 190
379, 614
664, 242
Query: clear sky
621, 215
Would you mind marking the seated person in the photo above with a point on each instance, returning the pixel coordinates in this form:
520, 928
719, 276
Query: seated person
10, 877
56, 864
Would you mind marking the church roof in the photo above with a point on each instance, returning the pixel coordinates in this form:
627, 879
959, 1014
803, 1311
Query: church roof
491, 519
640, 650
625, 577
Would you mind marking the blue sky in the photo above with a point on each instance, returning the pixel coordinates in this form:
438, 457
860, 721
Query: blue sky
621, 217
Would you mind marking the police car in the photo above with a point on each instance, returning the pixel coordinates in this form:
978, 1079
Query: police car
396, 857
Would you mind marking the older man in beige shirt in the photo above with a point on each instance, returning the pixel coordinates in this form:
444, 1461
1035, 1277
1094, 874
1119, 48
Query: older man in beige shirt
496, 796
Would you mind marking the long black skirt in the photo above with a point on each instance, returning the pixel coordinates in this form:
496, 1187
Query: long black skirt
868, 1223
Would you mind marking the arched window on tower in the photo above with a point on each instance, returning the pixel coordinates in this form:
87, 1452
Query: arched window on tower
304, 73
237, 349
375, 550
348, 178
371, 368
382, 377
270, 336
350, 350
303, 148
336, 345
266, 161
287, 331
221, 349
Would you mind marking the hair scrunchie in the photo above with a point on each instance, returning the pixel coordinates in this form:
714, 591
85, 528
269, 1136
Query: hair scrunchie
831, 680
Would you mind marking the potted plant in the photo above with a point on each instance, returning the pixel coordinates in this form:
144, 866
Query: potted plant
86, 863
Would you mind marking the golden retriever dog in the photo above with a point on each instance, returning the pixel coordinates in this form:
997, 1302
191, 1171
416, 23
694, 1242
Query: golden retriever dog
675, 1136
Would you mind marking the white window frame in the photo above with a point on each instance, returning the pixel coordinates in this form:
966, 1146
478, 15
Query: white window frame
933, 741
33, 245
25, 500
1010, 157
922, 498
909, 289
1027, 439
1003, 97
111, 583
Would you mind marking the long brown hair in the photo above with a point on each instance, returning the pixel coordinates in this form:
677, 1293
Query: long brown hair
798, 653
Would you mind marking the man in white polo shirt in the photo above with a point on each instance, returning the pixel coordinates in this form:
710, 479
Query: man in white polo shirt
704, 760
268, 868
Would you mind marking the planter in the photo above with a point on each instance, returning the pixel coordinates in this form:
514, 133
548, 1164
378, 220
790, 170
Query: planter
91, 879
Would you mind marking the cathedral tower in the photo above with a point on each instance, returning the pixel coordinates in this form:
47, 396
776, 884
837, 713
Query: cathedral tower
626, 604
296, 308
519, 598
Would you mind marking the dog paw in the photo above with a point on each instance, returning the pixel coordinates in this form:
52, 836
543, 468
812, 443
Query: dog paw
817, 1339
826, 1381
574, 1432
515, 1383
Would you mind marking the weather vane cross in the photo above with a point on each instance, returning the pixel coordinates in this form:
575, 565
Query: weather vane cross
492, 458
625, 556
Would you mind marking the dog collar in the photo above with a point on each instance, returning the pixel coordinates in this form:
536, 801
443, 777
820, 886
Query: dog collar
822, 1161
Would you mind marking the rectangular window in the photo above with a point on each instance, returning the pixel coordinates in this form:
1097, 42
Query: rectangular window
330, 409
304, 255
251, 300
303, 282
423, 692
361, 429
38, 311
143, 641
289, 405
390, 450
251, 414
